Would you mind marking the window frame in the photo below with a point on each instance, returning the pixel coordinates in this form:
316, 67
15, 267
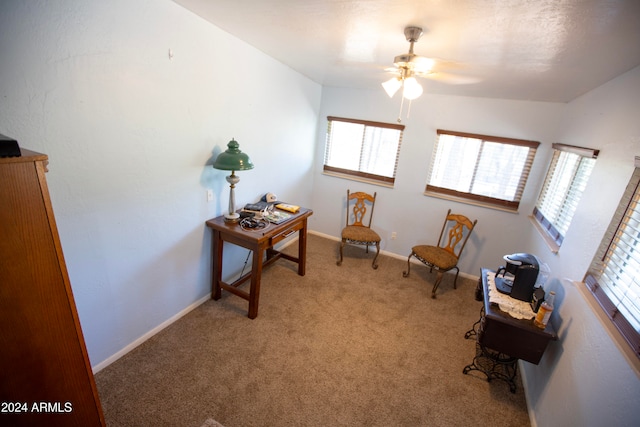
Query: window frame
629, 204
468, 197
359, 174
566, 199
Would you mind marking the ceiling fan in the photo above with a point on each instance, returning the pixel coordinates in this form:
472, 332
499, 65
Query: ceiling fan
407, 67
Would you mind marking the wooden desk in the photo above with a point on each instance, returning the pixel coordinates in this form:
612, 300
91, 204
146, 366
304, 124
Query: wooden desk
258, 242
502, 339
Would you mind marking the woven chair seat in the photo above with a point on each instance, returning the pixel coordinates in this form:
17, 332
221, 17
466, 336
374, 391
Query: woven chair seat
357, 230
436, 256
360, 234
445, 254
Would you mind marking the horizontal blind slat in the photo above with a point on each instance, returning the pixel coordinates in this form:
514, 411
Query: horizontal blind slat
466, 164
364, 149
615, 269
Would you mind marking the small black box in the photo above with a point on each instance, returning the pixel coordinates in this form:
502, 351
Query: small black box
536, 299
9, 147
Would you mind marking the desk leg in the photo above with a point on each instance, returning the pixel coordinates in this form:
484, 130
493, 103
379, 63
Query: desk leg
494, 365
302, 249
216, 261
473, 332
256, 274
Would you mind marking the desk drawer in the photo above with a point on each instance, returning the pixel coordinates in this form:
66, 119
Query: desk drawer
288, 231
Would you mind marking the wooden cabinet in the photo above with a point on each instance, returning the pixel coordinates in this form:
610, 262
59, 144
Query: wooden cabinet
45, 374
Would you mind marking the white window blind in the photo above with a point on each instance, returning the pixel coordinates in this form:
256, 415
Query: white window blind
563, 186
488, 169
363, 149
614, 274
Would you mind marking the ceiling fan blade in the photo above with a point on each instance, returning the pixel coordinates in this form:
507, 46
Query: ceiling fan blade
423, 64
408, 65
453, 79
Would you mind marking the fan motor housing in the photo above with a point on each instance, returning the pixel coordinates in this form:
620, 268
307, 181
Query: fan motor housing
413, 33
404, 60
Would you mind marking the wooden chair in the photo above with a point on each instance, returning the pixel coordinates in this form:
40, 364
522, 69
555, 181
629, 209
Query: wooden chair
356, 232
445, 255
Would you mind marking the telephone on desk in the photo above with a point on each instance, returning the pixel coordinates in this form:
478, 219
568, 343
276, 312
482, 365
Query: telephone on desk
266, 203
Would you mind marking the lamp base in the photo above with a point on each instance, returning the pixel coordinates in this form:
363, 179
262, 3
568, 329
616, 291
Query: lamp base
232, 217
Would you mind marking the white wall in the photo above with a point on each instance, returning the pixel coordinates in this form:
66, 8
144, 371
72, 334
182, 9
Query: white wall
404, 209
583, 379
131, 134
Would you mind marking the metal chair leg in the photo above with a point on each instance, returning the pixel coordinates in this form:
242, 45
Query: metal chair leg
456, 278
439, 275
341, 247
374, 265
406, 273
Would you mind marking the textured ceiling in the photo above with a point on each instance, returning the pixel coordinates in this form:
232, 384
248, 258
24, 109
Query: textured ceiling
543, 50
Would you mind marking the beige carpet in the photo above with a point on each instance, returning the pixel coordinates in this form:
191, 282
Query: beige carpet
211, 423
346, 346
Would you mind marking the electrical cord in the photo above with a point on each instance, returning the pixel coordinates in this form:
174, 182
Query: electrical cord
254, 224
245, 265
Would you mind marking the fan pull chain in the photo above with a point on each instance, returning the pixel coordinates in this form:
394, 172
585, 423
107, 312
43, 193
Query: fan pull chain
400, 114
402, 107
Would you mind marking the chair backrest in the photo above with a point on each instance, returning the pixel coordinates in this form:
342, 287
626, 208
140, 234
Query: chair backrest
459, 228
359, 202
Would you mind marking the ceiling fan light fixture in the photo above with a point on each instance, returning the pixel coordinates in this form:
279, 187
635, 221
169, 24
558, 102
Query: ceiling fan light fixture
391, 86
412, 89
407, 66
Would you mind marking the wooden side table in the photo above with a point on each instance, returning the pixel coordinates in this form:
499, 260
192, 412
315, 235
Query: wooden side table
502, 339
259, 242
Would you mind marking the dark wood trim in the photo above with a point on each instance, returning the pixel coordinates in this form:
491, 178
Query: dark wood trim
366, 123
581, 151
511, 205
500, 139
552, 231
621, 323
358, 174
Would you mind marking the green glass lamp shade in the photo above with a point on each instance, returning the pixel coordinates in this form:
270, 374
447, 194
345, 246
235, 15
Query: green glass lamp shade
233, 159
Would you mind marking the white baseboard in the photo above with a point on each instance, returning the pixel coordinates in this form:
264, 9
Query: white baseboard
525, 387
394, 255
326, 236
108, 361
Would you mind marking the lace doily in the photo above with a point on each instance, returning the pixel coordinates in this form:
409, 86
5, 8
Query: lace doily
516, 308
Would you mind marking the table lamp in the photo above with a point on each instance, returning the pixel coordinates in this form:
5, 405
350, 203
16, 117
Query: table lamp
232, 160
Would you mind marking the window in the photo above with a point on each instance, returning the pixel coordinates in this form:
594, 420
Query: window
614, 274
364, 149
486, 169
563, 186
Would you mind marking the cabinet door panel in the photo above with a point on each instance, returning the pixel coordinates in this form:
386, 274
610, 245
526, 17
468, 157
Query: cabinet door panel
43, 357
